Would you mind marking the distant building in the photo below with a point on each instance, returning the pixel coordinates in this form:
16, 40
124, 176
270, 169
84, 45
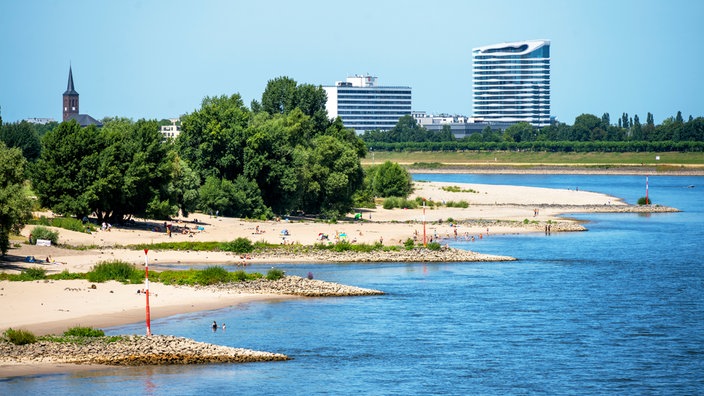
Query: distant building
512, 82
363, 105
40, 121
171, 131
460, 126
70, 108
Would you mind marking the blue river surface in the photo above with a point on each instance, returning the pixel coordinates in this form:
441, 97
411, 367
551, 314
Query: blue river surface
616, 309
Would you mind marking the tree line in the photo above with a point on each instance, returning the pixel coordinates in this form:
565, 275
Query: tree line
281, 155
588, 133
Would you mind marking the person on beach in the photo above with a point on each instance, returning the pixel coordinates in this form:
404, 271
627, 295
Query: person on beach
215, 326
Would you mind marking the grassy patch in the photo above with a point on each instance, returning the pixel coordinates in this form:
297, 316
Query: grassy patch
67, 223
459, 189
79, 331
41, 232
19, 337
114, 270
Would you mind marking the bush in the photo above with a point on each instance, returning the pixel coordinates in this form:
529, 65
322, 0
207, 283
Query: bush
458, 204
275, 274
34, 273
66, 275
239, 276
434, 246
84, 332
114, 270
40, 232
644, 201
409, 244
212, 275
19, 337
239, 245
396, 202
391, 202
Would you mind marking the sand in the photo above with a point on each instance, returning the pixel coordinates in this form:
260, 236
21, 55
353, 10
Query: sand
53, 306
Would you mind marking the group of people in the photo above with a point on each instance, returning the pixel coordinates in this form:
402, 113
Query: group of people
215, 326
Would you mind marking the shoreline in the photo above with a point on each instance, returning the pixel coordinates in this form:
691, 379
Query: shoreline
51, 307
546, 169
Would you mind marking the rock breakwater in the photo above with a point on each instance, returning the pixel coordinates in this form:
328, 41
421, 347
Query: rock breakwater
407, 256
296, 286
130, 351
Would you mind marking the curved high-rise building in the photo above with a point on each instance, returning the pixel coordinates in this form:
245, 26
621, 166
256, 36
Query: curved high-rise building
512, 82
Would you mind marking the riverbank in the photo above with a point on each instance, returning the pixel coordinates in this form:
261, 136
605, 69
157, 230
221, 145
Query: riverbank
51, 307
90, 352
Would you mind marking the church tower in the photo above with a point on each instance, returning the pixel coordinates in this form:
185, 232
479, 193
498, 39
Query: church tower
70, 98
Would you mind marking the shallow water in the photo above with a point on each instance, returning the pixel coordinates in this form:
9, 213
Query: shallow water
619, 308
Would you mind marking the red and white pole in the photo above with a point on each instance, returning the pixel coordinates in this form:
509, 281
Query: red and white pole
146, 284
425, 243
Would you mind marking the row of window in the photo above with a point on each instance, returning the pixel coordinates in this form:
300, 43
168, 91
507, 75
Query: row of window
373, 98
367, 91
403, 109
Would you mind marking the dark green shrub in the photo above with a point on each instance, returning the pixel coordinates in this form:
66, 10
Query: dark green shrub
112, 270
644, 201
34, 273
40, 232
239, 276
275, 274
239, 245
212, 275
409, 244
79, 331
19, 337
458, 204
186, 277
434, 246
391, 202
65, 275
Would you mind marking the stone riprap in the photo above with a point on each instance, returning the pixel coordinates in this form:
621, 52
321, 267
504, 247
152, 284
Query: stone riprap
296, 286
407, 256
130, 351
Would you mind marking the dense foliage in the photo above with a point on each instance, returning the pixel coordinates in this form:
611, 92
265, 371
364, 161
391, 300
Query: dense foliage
117, 171
282, 156
15, 206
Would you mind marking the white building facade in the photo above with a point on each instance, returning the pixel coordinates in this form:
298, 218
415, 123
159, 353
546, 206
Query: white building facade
363, 105
511, 82
171, 131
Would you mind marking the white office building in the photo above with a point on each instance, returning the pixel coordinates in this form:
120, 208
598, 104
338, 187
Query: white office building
363, 105
511, 82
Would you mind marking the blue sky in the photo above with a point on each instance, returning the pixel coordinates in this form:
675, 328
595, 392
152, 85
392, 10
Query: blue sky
159, 59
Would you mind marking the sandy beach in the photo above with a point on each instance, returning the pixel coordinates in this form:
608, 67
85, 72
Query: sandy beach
50, 307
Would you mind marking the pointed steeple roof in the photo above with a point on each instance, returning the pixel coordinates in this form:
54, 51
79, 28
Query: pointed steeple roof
69, 89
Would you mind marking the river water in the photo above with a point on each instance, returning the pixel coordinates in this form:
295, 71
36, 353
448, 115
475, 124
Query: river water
616, 309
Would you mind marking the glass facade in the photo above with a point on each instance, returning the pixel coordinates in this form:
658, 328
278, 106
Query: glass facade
362, 105
512, 82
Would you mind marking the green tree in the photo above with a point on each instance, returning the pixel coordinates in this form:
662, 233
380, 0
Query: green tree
121, 170
520, 132
279, 97
212, 139
240, 198
23, 136
66, 168
184, 186
390, 180
15, 206
331, 174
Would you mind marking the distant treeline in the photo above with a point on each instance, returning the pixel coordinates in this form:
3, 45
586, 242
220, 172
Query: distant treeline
589, 133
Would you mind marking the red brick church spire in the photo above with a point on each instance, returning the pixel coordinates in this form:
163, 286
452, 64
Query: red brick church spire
70, 98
